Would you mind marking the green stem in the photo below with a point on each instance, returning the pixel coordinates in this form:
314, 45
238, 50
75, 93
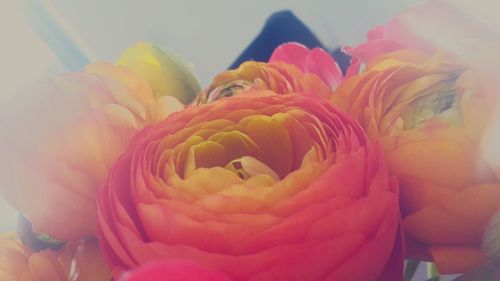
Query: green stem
432, 272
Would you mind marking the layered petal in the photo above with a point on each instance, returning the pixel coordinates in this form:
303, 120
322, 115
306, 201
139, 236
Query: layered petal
316, 74
252, 186
316, 61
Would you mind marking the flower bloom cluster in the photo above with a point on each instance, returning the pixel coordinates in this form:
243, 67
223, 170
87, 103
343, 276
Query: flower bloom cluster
279, 170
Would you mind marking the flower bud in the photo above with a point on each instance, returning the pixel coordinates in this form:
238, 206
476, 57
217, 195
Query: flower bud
167, 74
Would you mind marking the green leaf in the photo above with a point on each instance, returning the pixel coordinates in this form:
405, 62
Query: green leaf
432, 272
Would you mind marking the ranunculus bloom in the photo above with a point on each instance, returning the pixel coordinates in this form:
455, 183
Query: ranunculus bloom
257, 186
58, 141
450, 28
77, 261
430, 115
174, 271
466, 33
278, 76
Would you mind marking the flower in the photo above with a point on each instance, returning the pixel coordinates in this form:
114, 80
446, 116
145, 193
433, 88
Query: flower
278, 76
76, 261
430, 114
452, 30
315, 61
166, 74
59, 140
174, 271
258, 186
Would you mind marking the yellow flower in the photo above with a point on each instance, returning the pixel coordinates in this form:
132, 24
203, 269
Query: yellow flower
166, 74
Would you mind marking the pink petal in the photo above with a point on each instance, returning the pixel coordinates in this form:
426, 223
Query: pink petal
315, 61
322, 64
376, 33
292, 53
354, 68
373, 48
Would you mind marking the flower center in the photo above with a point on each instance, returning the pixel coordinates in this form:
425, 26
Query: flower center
227, 90
247, 167
257, 145
442, 104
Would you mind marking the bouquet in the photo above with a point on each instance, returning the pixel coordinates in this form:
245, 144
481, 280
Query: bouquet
299, 166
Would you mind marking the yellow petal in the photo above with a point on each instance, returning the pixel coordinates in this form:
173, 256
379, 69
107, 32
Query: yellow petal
206, 154
166, 74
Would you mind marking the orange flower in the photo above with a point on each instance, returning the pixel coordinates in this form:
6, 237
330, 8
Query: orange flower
278, 76
78, 261
257, 186
58, 141
431, 116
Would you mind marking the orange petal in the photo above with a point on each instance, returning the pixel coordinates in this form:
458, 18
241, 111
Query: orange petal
89, 262
459, 219
441, 161
416, 194
45, 266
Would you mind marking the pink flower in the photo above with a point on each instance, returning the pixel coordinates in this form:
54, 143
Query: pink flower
260, 186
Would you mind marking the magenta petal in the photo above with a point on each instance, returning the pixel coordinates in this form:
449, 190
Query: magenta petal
292, 53
354, 68
323, 64
315, 61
